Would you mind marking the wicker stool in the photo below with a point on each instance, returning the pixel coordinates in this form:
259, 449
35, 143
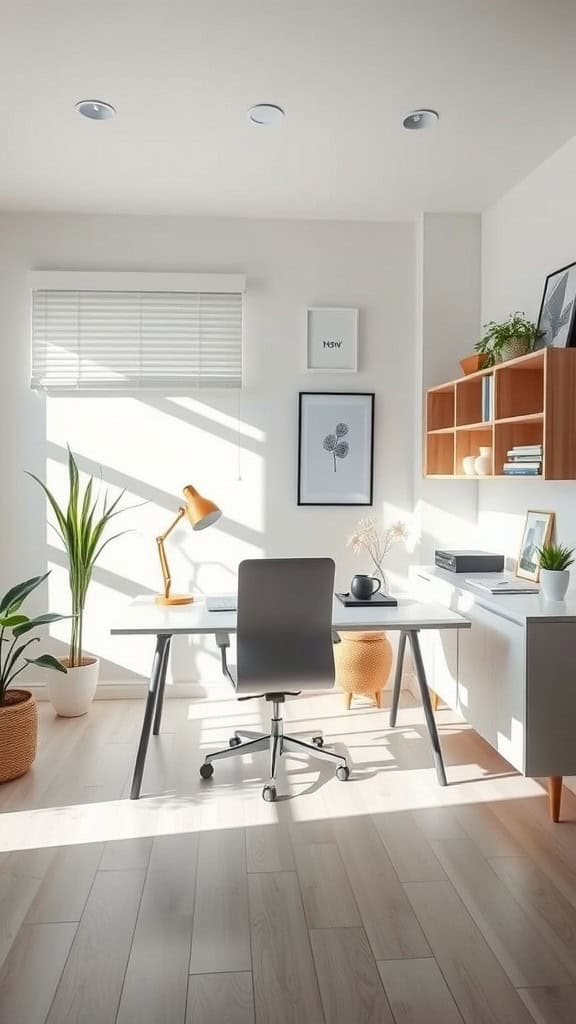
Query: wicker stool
363, 662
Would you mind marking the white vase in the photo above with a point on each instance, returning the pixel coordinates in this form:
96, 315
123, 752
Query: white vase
483, 464
469, 465
554, 584
72, 694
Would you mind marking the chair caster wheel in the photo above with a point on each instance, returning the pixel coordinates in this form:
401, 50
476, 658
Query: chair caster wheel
269, 793
234, 741
318, 741
207, 770
342, 773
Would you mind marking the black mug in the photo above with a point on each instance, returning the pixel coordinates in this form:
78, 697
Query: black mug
363, 587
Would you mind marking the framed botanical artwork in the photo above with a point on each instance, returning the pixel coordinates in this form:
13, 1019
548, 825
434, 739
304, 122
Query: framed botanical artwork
537, 532
335, 448
557, 320
332, 339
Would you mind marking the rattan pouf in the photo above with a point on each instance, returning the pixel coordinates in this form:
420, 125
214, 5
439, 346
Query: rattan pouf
363, 663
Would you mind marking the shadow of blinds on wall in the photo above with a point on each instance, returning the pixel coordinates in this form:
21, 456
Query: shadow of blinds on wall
126, 332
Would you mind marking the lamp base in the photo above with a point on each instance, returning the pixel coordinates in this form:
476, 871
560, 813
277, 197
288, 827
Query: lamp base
175, 599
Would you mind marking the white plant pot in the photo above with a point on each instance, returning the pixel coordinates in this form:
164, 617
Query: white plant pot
554, 584
72, 694
483, 464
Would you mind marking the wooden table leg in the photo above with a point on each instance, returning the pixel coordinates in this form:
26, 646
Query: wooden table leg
434, 699
555, 796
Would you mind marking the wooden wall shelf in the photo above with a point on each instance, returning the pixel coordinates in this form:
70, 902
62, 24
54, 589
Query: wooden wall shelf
533, 402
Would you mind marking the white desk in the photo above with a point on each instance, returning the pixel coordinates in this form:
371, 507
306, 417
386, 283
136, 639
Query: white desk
145, 618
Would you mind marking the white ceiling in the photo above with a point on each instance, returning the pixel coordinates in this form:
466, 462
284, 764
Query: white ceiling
182, 74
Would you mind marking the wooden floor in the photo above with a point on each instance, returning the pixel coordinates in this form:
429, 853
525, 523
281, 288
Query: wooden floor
383, 899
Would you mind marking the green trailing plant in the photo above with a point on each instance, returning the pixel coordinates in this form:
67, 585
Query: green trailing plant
497, 336
15, 624
555, 557
81, 526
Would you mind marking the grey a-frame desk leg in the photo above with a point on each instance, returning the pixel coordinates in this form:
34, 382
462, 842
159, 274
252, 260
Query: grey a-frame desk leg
155, 695
412, 634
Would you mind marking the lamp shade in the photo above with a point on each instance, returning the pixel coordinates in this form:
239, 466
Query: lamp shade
200, 511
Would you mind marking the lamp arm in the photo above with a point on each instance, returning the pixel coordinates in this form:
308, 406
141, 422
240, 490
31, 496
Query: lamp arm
162, 552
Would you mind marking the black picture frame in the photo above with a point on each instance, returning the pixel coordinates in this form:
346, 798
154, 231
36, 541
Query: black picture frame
303, 396
568, 339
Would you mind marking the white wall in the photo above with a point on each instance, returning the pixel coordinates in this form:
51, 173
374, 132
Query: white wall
528, 233
239, 451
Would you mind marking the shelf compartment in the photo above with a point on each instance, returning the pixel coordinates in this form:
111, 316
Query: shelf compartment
507, 435
469, 442
440, 408
520, 389
440, 454
469, 400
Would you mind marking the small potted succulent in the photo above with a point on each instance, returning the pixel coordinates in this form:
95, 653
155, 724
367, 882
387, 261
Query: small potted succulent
555, 562
514, 337
81, 527
18, 712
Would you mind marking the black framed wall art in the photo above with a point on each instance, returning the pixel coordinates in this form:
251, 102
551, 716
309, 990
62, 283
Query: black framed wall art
556, 320
335, 448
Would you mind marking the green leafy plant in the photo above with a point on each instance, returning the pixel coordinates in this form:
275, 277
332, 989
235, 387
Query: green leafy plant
81, 527
13, 625
498, 336
555, 557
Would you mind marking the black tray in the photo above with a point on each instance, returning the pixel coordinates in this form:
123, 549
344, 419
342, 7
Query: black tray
378, 600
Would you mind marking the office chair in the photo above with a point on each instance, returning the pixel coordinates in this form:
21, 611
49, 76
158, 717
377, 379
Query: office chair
284, 646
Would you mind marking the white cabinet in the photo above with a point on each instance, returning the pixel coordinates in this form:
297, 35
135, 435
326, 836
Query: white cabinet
491, 682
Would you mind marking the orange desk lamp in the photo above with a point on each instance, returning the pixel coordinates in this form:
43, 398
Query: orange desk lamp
202, 513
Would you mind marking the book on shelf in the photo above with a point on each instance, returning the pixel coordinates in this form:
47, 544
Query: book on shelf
526, 449
522, 468
487, 391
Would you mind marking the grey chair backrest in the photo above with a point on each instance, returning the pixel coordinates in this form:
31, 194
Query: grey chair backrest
284, 638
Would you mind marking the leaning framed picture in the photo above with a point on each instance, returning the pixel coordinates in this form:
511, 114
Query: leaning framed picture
537, 532
556, 320
335, 448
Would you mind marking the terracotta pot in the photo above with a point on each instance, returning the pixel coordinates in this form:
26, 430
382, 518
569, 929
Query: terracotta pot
72, 694
363, 662
18, 734
470, 364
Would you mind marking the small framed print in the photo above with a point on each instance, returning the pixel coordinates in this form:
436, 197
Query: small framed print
537, 532
335, 448
332, 339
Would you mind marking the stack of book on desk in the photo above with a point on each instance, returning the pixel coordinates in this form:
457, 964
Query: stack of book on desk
524, 460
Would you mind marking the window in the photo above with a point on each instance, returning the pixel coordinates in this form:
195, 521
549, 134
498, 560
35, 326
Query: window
107, 332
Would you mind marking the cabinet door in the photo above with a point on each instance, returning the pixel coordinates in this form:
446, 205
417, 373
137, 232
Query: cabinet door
439, 647
491, 681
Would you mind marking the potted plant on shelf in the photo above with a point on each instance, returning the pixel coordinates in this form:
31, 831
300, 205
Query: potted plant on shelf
514, 337
18, 712
555, 562
81, 528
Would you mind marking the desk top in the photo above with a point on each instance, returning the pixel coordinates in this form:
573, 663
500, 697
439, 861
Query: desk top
143, 617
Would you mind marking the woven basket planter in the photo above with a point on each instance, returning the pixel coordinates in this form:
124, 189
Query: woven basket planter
18, 734
363, 662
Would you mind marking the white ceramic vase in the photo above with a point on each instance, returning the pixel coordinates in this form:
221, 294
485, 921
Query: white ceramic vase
554, 584
469, 465
483, 464
72, 694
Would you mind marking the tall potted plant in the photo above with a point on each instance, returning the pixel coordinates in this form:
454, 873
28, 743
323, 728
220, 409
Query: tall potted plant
80, 526
18, 712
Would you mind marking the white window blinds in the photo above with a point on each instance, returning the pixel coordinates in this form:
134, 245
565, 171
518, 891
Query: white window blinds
120, 338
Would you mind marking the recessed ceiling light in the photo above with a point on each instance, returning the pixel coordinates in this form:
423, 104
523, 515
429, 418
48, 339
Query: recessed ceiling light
96, 110
416, 120
265, 113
